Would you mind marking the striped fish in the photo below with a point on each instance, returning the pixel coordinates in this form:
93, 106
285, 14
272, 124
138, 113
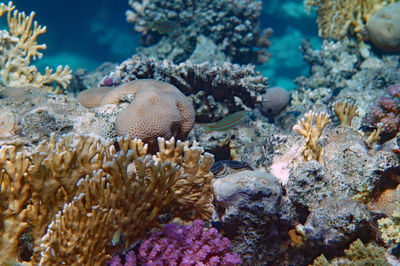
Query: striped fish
165, 26
228, 122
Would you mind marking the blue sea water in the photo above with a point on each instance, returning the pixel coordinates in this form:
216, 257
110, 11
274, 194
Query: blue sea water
87, 33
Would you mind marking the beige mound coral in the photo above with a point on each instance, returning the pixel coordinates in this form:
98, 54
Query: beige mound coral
92, 97
158, 109
384, 28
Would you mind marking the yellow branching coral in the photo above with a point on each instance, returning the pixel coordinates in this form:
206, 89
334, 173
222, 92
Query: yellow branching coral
312, 133
346, 112
74, 194
339, 19
18, 46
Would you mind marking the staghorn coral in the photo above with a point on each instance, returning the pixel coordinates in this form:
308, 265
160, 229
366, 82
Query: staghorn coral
73, 194
208, 85
18, 47
233, 25
312, 149
340, 19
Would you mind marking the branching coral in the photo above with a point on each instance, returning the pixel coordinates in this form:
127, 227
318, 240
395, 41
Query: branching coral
72, 195
233, 25
339, 19
205, 83
18, 46
312, 149
346, 112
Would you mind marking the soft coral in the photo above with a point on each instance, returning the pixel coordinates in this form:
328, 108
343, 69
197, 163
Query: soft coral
386, 110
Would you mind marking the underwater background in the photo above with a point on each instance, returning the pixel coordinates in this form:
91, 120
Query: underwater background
200, 132
88, 33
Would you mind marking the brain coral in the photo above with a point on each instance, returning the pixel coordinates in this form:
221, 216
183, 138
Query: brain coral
159, 109
384, 28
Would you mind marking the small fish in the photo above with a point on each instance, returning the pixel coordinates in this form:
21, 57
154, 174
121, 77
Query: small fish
165, 26
228, 122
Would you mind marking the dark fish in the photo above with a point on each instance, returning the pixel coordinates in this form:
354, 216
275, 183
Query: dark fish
165, 26
228, 122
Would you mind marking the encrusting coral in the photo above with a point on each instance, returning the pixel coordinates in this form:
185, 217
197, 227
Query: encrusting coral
18, 46
357, 254
72, 195
312, 149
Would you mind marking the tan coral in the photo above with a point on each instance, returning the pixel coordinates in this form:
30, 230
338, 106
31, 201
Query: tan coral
375, 135
312, 149
158, 109
14, 195
194, 193
345, 112
337, 19
72, 195
19, 46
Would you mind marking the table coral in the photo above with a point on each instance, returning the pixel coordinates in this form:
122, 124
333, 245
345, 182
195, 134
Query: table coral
73, 194
19, 46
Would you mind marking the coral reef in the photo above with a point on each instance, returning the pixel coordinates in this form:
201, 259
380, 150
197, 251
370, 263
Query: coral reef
215, 90
339, 72
19, 46
233, 26
158, 109
52, 188
357, 254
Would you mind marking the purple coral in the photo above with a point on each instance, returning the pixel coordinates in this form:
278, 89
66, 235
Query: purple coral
386, 110
186, 245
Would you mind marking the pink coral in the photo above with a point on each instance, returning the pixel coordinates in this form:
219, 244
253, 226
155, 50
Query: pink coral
185, 245
386, 110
